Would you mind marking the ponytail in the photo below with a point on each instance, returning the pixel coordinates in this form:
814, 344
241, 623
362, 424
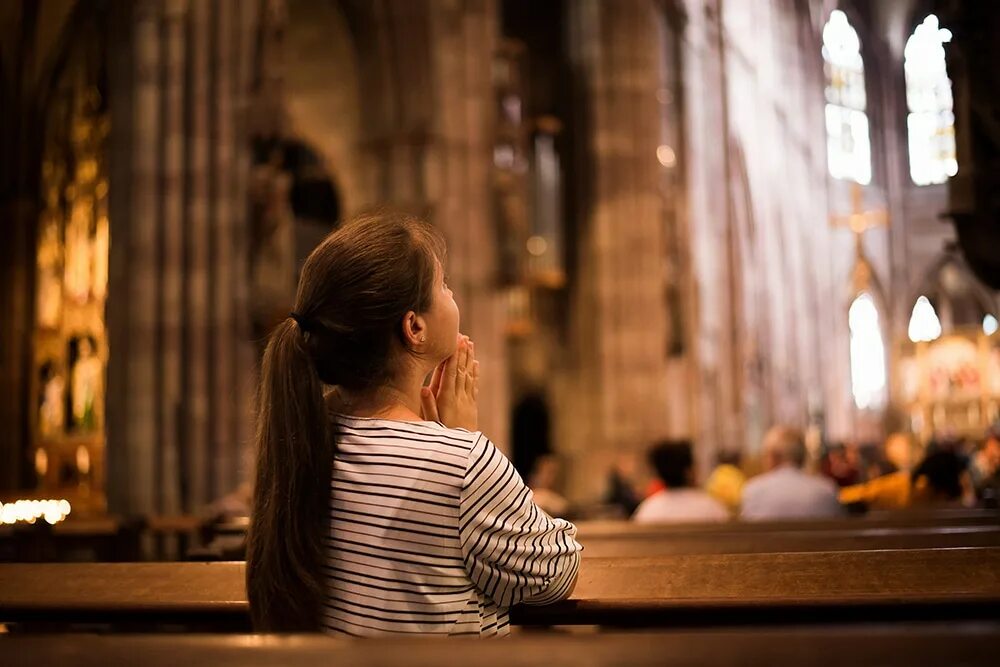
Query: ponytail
295, 447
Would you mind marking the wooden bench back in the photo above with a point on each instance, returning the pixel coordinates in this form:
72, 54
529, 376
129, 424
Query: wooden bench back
928, 519
705, 589
635, 541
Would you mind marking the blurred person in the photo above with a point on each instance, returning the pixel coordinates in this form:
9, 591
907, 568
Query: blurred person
840, 464
234, 504
544, 482
679, 500
726, 481
939, 480
385, 483
622, 495
872, 462
529, 432
888, 491
900, 451
785, 491
984, 469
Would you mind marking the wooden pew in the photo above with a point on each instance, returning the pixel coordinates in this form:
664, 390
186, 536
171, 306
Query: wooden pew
911, 645
193, 596
103, 538
100, 538
927, 519
740, 589
899, 530
173, 535
679, 590
630, 540
927, 529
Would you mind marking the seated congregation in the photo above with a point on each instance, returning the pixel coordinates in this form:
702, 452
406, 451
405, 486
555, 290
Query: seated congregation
843, 482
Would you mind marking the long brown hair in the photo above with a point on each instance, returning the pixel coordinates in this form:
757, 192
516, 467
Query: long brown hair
354, 290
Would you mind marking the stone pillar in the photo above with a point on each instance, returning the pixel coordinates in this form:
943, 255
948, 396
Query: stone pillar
197, 235
17, 264
172, 243
221, 212
616, 400
135, 217
718, 196
181, 361
245, 358
23, 87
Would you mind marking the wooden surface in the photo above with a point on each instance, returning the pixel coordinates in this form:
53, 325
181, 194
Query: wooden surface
902, 519
928, 519
909, 645
180, 523
667, 590
636, 541
723, 589
138, 588
88, 527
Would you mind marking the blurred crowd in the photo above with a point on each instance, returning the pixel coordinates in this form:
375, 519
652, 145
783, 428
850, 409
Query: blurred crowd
792, 482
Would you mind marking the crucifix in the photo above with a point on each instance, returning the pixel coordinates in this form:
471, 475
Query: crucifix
859, 221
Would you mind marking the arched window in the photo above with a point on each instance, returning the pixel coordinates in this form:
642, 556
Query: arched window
848, 148
868, 376
931, 121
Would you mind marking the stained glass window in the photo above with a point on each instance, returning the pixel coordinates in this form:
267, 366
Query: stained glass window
848, 145
868, 377
931, 121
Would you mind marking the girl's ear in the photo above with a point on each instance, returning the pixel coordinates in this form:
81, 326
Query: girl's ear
414, 331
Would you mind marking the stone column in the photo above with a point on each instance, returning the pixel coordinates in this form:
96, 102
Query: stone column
135, 217
22, 127
197, 236
245, 358
221, 216
172, 254
616, 403
718, 196
181, 363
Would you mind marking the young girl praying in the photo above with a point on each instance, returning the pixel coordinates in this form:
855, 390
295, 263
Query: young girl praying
379, 508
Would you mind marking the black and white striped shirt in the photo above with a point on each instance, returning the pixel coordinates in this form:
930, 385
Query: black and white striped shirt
432, 531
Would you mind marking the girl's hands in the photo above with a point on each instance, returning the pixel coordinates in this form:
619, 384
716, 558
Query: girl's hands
451, 398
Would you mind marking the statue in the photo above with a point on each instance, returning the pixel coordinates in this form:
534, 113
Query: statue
52, 410
86, 384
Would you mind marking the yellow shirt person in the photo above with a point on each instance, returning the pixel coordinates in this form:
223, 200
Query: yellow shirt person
725, 484
887, 492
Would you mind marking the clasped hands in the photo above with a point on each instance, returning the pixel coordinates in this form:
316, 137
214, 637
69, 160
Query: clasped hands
451, 397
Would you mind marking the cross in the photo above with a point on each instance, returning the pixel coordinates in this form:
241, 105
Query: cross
859, 220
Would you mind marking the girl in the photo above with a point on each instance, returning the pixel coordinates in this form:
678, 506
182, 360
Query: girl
381, 509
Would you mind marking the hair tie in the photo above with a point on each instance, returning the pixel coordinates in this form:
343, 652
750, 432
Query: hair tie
301, 321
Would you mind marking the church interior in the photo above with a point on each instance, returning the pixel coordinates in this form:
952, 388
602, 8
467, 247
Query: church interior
680, 232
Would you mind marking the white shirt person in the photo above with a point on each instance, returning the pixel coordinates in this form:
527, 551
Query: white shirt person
679, 502
786, 491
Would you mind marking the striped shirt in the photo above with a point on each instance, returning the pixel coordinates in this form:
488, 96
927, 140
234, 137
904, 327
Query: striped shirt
432, 531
